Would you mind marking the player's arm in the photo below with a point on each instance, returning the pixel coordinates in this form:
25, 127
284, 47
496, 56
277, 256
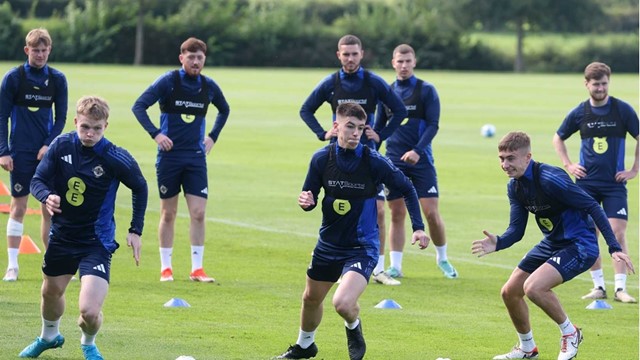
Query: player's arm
308, 198
44, 175
61, 107
518, 218
150, 96
567, 128
394, 104
431, 103
7, 90
218, 100
318, 96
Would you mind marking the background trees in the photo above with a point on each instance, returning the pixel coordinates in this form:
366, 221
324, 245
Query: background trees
304, 33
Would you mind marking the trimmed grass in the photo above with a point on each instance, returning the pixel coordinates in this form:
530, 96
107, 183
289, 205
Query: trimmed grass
259, 241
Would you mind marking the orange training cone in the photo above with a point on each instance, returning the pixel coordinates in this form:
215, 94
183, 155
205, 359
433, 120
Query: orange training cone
3, 189
27, 246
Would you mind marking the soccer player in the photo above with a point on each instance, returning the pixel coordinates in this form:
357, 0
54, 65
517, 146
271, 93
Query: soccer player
28, 95
564, 213
184, 96
409, 148
349, 172
77, 182
603, 122
352, 83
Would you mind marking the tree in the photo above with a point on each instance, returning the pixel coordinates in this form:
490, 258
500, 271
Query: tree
524, 16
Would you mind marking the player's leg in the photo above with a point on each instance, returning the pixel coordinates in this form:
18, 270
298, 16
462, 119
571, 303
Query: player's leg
396, 236
15, 230
52, 308
437, 233
166, 228
93, 291
345, 301
379, 275
197, 206
619, 227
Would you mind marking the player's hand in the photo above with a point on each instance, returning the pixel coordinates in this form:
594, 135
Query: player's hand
331, 133
577, 170
410, 157
208, 144
420, 237
41, 152
6, 162
163, 141
305, 199
134, 242
484, 246
371, 134
52, 204
620, 256
624, 175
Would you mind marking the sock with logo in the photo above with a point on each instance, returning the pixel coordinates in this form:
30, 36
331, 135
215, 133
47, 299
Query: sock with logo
306, 338
526, 342
197, 253
50, 329
567, 327
598, 278
620, 281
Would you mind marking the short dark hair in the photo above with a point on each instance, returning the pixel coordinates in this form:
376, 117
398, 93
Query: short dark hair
403, 49
514, 141
597, 70
351, 109
349, 40
193, 45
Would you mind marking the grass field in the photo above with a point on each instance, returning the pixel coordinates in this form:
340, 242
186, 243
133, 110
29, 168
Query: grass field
258, 241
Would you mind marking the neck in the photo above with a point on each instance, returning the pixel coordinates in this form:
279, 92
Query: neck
597, 103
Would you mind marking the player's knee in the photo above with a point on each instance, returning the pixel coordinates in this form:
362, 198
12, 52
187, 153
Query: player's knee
90, 315
14, 228
344, 308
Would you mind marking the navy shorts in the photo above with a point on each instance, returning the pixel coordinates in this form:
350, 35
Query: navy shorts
24, 166
329, 267
570, 260
613, 198
188, 173
67, 258
424, 179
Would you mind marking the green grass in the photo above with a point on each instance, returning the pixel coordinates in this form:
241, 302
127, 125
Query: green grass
258, 241
505, 43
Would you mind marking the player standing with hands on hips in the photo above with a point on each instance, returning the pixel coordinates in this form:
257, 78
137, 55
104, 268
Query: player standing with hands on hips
77, 181
564, 213
349, 172
603, 122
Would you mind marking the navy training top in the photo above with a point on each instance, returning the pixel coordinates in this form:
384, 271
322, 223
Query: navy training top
185, 130
32, 127
87, 179
564, 212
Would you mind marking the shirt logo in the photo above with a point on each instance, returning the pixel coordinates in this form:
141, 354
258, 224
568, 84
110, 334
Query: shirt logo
341, 207
345, 184
67, 159
98, 171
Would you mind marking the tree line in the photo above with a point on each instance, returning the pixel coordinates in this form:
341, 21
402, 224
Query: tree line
304, 33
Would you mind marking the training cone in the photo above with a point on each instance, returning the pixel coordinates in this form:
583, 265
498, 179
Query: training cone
599, 305
4, 190
27, 246
388, 304
176, 302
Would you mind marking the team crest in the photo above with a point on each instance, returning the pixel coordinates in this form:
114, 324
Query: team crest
163, 189
98, 171
17, 187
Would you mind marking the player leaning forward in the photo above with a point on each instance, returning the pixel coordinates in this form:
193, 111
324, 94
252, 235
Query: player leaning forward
564, 213
348, 245
77, 182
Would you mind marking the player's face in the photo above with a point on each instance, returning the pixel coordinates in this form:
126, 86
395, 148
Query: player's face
350, 130
404, 65
514, 163
350, 57
598, 88
192, 62
37, 55
89, 131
